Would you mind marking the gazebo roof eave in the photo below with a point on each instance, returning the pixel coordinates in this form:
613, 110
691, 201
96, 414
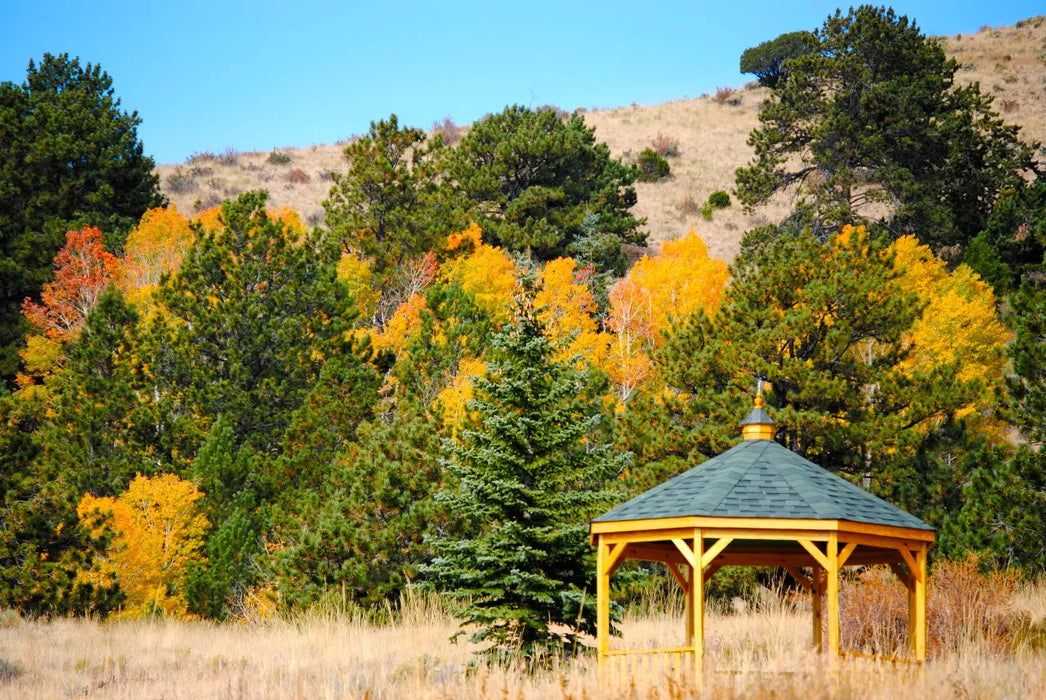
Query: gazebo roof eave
782, 528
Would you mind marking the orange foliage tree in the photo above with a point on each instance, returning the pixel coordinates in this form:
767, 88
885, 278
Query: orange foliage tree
156, 532
83, 269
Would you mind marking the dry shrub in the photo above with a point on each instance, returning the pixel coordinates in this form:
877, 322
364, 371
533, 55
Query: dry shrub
1009, 105
665, 146
450, 131
874, 612
230, 157
964, 607
967, 606
180, 182
298, 176
722, 94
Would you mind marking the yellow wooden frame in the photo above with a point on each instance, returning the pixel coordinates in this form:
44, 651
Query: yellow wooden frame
824, 547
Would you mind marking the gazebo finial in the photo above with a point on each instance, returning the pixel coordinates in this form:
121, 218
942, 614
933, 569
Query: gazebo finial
758, 425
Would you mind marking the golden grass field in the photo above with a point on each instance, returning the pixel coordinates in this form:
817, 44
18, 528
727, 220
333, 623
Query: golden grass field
755, 654
1010, 62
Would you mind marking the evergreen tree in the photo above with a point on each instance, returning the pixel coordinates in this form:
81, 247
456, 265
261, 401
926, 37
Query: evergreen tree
1027, 388
245, 329
90, 443
248, 322
529, 475
364, 531
383, 206
529, 179
68, 156
873, 119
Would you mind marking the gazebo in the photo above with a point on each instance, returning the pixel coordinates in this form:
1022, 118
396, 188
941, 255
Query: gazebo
759, 504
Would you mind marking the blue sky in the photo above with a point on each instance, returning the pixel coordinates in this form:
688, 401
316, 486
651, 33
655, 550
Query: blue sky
205, 76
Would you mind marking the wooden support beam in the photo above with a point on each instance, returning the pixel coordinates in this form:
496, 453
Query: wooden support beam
806, 583
711, 571
832, 569
680, 579
697, 585
714, 551
817, 603
845, 554
685, 550
602, 604
920, 576
816, 553
615, 558
908, 559
900, 573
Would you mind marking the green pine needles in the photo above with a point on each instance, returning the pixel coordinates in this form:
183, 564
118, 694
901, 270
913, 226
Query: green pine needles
531, 473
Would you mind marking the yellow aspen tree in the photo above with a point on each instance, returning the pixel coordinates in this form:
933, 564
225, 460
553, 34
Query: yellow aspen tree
566, 306
156, 246
673, 284
157, 534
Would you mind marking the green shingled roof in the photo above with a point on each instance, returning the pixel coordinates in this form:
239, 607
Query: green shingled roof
761, 479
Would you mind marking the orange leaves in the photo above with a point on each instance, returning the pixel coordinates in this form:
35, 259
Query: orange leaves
157, 535
82, 270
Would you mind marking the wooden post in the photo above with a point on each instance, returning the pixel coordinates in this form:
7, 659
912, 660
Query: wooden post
919, 584
690, 608
602, 604
817, 603
697, 608
833, 595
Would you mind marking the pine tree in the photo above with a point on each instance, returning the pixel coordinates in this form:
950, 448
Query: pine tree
68, 155
530, 474
364, 531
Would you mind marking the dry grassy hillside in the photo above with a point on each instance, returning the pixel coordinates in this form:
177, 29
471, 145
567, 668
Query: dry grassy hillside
711, 133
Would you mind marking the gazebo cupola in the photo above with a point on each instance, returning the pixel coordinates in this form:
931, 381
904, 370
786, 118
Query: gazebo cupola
760, 504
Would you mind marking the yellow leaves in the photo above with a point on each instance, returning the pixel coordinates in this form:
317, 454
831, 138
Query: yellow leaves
487, 273
157, 535
156, 246
565, 305
358, 277
959, 323
458, 392
674, 284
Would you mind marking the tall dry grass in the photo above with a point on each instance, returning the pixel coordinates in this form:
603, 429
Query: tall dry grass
761, 652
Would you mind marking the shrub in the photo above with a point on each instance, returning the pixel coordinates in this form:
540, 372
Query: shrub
652, 167
278, 158
230, 157
666, 146
722, 94
298, 176
965, 606
450, 131
719, 199
180, 182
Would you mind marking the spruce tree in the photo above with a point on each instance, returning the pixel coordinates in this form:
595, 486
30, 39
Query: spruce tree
530, 474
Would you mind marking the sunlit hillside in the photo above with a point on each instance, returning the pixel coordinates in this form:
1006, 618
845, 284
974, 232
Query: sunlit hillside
711, 133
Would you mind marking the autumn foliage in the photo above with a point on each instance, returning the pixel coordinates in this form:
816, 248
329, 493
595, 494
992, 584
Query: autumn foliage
156, 531
83, 269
